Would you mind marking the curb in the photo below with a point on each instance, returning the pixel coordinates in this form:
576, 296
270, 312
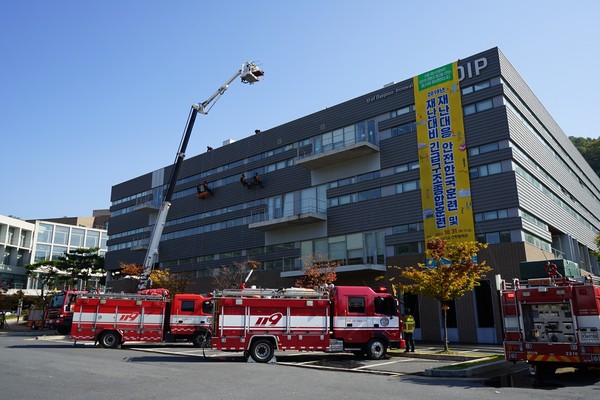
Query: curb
469, 371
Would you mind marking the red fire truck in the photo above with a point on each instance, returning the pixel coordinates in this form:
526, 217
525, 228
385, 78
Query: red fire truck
552, 322
58, 315
112, 319
350, 318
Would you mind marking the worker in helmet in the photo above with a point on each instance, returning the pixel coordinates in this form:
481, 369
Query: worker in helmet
409, 328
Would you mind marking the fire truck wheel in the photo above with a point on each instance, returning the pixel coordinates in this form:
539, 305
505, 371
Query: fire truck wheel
262, 350
110, 340
543, 369
376, 349
63, 330
200, 339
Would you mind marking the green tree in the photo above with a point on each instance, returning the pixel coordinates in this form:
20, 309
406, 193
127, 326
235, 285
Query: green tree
46, 271
451, 273
590, 150
80, 265
597, 240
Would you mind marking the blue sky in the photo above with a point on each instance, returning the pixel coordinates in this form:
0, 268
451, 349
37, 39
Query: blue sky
96, 93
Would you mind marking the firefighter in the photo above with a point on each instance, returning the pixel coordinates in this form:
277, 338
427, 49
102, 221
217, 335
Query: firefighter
409, 328
257, 180
243, 181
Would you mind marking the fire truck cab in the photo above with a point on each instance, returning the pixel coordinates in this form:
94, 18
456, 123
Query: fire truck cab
59, 314
552, 322
333, 319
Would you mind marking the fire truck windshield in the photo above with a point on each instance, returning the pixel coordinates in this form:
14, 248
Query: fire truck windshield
57, 300
386, 306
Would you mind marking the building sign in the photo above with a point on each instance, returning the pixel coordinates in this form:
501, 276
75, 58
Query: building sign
444, 172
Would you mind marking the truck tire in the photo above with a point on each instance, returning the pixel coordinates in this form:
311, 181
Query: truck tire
262, 350
544, 369
63, 330
376, 349
201, 339
110, 340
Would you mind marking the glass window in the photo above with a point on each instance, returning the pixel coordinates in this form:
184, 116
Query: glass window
77, 236
492, 237
354, 241
356, 305
45, 233
467, 90
385, 305
473, 172
187, 306
345, 199
103, 240
486, 148
505, 237
485, 105
92, 239
469, 109
490, 215
481, 85
494, 168
362, 196
408, 186
58, 251
61, 236
42, 252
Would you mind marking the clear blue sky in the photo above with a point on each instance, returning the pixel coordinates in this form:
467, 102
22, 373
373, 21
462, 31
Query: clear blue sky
94, 93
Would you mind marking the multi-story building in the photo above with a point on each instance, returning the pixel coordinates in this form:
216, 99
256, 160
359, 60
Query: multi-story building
27, 242
16, 241
345, 183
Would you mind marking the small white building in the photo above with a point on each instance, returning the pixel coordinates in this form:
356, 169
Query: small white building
27, 242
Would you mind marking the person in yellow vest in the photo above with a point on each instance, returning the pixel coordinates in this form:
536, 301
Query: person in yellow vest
409, 328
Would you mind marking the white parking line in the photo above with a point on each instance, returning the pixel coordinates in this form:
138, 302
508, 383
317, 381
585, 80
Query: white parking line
375, 365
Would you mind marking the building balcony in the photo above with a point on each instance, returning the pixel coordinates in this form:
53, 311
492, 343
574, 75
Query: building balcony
147, 203
315, 156
295, 273
292, 214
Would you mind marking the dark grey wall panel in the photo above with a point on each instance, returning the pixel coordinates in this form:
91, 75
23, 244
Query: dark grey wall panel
494, 192
365, 216
130, 187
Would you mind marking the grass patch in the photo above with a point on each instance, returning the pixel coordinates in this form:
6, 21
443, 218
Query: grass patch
468, 364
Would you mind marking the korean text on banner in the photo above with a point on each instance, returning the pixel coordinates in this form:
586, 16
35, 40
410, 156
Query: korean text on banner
444, 172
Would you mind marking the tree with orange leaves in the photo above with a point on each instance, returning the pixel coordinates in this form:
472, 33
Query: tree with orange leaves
451, 271
318, 271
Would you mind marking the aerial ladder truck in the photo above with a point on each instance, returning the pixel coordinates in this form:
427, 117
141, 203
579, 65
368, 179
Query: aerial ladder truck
249, 73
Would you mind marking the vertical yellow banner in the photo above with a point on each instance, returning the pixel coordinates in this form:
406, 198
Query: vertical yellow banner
444, 172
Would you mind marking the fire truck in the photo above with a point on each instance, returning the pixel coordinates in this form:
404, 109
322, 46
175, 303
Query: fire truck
112, 319
58, 315
333, 319
552, 322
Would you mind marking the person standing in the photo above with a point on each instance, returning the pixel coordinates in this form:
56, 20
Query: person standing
409, 328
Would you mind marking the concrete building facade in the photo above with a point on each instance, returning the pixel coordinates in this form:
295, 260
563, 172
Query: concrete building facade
344, 183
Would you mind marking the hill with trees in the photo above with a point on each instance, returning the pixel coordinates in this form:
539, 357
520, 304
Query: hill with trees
590, 150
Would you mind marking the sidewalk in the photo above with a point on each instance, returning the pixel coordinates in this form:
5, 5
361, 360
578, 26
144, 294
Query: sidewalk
11, 327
